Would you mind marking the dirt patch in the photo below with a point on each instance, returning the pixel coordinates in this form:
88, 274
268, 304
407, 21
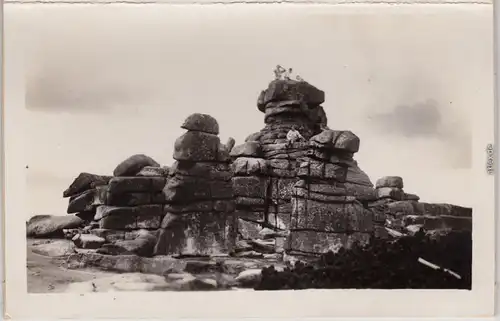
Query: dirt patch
46, 274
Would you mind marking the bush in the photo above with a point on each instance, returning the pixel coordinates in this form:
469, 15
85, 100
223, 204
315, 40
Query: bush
383, 264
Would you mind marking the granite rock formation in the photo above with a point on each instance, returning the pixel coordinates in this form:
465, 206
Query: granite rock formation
293, 186
199, 217
296, 173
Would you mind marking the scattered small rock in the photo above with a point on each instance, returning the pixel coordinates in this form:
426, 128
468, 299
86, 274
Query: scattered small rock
88, 241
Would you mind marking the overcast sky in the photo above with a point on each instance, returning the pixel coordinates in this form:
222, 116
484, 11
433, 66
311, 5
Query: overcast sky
106, 82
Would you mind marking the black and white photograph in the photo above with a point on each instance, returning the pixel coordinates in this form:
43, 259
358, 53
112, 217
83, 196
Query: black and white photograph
208, 149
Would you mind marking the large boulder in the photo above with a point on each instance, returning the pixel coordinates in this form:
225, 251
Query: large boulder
207, 170
201, 123
84, 182
247, 149
51, 225
283, 90
390, 181
53, 248
133, 165
88, 241
356, 175
196, 146
120, 185
143, 245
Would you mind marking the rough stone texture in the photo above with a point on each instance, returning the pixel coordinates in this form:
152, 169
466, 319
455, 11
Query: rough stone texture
51, 225
152, 171
207, 170
186, 189
146, 216
122, 185
133, 165
394, 193
286, 90
84, 182
135, 199
223, 206
446, 209
401, 208
199, 195
361, 192
455, 223
250, 186
87, 201
197, 147
144, 210
343, 140
243, 166
113, 235
357, 176
88, 241
315, 242
330, 217
320, 170
53, 248
201, 123
142, 245
196, 234
390, 181
247, 149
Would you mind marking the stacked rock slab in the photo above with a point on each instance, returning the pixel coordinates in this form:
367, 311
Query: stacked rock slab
199, 217
250, 186
326, 211
85, 194
267, 166
133, 198
403, 212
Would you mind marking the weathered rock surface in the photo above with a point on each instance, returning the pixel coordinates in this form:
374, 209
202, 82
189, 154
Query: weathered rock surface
51, 225
88, 241
142, 245
196, 146
53, 248
153, 171
292, 90
84, 182
121, 185
196, 234
133, 165
87, 201
247, 149
390, 181
201, 123
199, 193
342, 140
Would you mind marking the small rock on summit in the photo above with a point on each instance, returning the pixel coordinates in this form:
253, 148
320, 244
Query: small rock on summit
201, 123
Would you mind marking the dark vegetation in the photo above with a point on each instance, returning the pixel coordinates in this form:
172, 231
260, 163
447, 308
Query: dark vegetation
383, 264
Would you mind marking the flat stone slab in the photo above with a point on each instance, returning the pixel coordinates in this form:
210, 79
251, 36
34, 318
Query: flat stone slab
120, 185
321, 242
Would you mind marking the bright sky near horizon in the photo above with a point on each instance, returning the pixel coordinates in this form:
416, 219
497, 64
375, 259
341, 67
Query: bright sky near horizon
103, 83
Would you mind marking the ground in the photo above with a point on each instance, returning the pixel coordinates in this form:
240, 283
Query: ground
47, 274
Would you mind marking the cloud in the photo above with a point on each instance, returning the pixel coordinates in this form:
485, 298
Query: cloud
418, 120
429, 122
